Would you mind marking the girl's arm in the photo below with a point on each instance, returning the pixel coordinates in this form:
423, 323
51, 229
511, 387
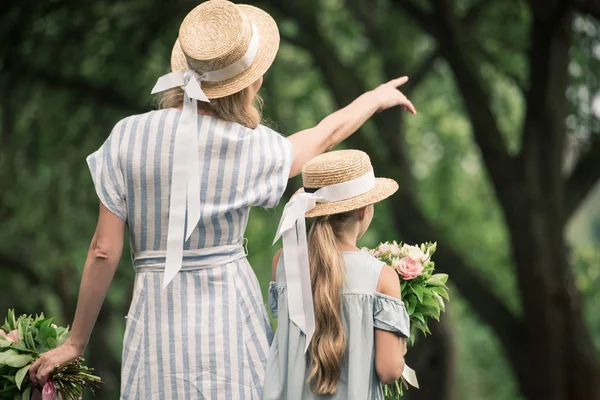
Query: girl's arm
100, 265
274, 264
338, 126
389, 347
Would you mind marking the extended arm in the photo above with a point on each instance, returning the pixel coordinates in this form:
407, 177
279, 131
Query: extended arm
336, 127
100, 265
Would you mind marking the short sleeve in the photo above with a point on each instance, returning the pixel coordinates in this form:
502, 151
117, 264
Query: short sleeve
107, 175
274, 165
273, 299
389, 314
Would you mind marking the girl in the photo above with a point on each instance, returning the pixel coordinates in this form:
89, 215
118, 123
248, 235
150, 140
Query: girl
358, 341
184, 184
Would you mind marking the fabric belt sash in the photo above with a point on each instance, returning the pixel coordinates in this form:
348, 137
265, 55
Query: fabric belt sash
154, 261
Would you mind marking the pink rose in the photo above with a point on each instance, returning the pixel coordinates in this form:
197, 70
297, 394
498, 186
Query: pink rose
49, 392
12, 336
408, 268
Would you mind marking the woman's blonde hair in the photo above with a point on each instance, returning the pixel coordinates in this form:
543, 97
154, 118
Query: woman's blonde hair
327, 274
239, 107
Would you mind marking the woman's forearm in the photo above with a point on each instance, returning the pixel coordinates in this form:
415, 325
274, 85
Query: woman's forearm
332, 130
338, 126
97, 276
341, 124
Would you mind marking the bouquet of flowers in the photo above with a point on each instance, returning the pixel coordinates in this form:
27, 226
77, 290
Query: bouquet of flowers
422, 291
22, 341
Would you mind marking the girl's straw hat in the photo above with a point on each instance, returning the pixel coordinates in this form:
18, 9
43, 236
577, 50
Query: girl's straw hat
217, 34
341, 166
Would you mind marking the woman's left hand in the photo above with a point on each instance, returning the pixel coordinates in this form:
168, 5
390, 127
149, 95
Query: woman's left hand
41, 369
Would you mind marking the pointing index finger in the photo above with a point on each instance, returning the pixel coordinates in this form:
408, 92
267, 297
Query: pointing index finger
398, 81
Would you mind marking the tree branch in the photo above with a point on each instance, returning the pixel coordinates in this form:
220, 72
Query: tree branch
19, 267
584, 177
81, 88
494, 61
421, 71
363, 11
453, 43
424, 19
475, 12
544, 129
591, 7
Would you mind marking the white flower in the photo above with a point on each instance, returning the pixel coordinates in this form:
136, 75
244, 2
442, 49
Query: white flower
396, 250
415, 253
385, 248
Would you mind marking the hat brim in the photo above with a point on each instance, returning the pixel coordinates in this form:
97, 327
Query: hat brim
383, 189
269, 45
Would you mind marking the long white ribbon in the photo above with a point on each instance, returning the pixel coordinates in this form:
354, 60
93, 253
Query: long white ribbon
185, 178
292, 227
410, 376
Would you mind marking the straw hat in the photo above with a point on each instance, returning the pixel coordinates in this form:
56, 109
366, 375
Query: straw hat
342, 166
216, 34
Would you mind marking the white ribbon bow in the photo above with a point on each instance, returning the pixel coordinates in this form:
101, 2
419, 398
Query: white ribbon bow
292, 227
185, 178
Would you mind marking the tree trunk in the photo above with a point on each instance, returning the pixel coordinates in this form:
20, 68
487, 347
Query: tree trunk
562, 362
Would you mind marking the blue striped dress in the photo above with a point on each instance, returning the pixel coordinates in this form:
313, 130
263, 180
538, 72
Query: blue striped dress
207, 335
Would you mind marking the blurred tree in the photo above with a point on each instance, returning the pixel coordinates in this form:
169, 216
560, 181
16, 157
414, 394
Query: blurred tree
547, 344
505, 149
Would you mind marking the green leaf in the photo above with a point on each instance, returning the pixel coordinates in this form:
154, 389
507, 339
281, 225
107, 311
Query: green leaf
4, 342
5, 354
442, 291
23, 328
431, 302
10, 378
418, 316
26, 393
18, 360
411, 308
21, 375
437, 280
45, 332
29, 340
418, 291
8, 392
12, 322
20, 347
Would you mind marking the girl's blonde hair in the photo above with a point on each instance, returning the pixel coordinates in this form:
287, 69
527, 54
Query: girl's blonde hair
327, 274
239, 107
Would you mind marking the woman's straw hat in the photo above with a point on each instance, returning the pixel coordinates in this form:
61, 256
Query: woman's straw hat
342, 166
216, 34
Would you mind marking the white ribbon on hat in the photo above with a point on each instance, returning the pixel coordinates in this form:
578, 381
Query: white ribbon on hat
292, 227
185, 178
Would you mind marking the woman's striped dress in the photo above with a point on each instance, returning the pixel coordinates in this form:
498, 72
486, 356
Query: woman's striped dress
207, 335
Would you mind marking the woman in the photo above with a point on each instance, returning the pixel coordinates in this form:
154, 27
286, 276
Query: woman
183, 179
359, 339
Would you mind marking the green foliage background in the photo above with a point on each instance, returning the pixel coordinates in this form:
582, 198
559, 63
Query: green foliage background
70, 71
